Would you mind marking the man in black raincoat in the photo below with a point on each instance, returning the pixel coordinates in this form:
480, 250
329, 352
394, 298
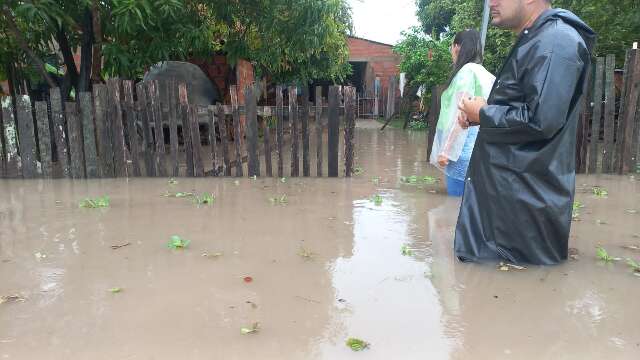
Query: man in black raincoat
520, 183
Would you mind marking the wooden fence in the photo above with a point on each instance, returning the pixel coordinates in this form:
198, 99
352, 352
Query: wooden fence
608, 136
119, 130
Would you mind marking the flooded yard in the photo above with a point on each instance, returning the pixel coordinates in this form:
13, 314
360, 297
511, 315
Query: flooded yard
301, 265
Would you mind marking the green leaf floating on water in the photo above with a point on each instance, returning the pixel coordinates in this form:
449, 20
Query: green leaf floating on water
357, 344
115, 290
406, 251
99, 202
377, 200
250, 330
176, 242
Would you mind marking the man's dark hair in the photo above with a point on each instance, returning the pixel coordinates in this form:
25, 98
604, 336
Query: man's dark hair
470, 50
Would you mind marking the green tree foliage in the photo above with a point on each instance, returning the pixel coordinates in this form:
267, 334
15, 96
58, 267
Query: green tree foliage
285, 39
617, 24
425, 60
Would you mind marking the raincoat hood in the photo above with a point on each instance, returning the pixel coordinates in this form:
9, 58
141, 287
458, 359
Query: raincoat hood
571, 19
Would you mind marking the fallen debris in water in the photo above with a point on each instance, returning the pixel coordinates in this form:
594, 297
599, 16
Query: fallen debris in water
250, 330
574, 254
507, 267
116, 247
357, 344
12, 298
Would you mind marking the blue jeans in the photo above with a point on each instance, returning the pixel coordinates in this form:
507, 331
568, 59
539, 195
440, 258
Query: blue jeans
455, 187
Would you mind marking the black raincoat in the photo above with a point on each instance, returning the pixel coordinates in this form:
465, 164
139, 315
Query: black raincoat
520, 183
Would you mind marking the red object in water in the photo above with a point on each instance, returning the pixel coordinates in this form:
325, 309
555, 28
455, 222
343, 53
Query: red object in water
248, 279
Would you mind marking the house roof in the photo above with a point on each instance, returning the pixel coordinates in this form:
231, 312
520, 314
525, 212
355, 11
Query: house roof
371, 41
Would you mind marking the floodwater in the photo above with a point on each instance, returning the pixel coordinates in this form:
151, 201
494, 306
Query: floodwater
326, 265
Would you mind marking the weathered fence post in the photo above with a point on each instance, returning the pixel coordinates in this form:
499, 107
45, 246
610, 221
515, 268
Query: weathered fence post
306, 167
76, 145
147, 138
26, 137
349, 128
115, 120
186, 126
594, 153
89, 135
59, 130
198, 166
253, 162
174, 112
319, 131
280, 130
293, 125
211, 116
224, 141
266, 133
153, 95
628, 136
44, 138
333, 130
609, 114
13, 163
132, 132
237, 134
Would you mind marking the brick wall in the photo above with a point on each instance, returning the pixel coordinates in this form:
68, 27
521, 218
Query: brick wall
379, 56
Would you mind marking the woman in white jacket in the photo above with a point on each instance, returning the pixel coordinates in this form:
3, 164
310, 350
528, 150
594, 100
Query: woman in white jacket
453, 145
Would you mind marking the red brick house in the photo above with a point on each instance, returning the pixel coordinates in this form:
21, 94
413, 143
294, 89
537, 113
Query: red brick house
372, 62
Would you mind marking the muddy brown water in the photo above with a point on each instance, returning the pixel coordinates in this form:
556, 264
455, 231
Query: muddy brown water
178, 304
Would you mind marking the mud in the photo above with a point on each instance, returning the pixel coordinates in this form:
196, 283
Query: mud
178, 304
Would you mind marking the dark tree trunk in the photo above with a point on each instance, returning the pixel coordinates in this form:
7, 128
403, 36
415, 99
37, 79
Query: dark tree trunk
86, 52
96, 26
71, 76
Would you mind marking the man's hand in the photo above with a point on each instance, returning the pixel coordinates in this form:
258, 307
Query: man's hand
471, 108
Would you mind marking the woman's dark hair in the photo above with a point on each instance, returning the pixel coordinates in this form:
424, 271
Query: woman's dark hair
470, 50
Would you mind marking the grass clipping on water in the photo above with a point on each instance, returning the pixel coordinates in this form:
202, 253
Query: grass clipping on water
357, 344
176, 242
97, 203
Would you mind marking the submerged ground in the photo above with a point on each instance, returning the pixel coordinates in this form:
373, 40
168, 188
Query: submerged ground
329, 261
